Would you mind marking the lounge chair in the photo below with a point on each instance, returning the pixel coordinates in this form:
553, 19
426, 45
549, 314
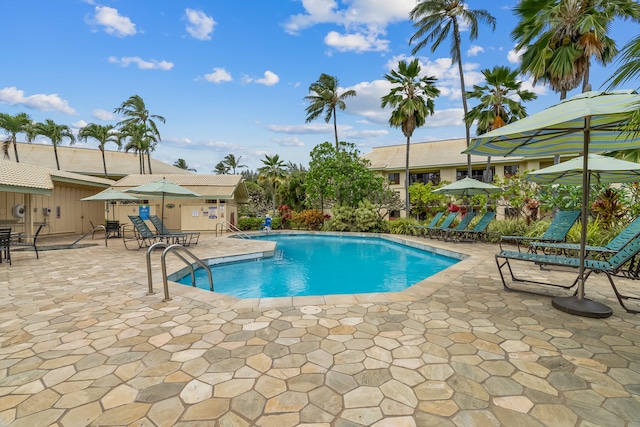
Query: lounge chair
447, 234
477, 233
622, 264
434, 232
186, 237
27, 241
142, 234
571, 249
556, 232
5, 244
419, 228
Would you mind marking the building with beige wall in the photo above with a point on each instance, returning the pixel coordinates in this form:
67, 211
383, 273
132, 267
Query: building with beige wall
441, 161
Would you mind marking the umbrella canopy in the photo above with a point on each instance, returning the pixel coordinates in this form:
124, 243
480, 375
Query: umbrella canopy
110, 195
468, 187
589, 122
162, 188
602, 169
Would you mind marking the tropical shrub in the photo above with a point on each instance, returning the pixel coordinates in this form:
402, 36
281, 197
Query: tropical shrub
364, 218
253, 223
403, 226
310, 218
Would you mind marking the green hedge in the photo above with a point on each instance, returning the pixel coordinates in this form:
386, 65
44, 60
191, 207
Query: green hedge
247, 224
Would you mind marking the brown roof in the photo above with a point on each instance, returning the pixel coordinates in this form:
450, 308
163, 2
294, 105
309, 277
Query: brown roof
427, 155
24, 178
88, 161
209, 186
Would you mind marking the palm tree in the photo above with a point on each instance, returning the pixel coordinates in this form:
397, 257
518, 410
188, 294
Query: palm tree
498, 105
13, 125
103, 134
558, 38
326, 99
135, 112
412, 97
221, 168
233, 163
138, 138
56, 133
182, 164
437, 20
273, 172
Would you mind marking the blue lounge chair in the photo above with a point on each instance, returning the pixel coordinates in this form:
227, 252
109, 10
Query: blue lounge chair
419, 228
434, 232
557, 231
447, 234
622, 264
571, 249
477, 233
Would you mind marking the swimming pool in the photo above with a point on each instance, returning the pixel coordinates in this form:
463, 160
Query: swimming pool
308, 265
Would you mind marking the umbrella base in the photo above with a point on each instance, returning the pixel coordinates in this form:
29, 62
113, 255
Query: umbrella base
581, 307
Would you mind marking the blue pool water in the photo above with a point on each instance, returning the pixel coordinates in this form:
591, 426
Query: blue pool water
307, 265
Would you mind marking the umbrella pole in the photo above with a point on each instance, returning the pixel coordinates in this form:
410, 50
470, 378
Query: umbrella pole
578, 304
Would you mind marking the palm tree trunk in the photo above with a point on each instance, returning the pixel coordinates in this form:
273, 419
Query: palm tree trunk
406, 181
487, 172
335, 127
15, 150
55, 152
465, 108
104, 163
149, 162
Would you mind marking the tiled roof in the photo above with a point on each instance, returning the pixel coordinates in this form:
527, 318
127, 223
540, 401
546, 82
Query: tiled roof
207, 185
88, 161
427, 155
24, 178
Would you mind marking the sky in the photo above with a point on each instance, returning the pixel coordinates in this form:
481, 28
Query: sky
230, 77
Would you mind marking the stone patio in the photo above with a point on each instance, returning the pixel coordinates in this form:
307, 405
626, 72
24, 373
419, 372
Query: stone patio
82, 344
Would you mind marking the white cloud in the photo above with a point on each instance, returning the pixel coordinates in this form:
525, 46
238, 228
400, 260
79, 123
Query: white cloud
219, 75
514, 56
474, 50
40, 101
306, 129
113, 22
289, 142
142, 64
358, 42
270, 78
79, 124
103, 115
200, 25
178, 141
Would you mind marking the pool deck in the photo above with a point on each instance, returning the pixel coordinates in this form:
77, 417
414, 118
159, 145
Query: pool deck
82, 344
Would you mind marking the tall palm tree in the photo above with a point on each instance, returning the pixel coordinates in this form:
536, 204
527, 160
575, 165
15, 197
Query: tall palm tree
137, 137
12, 126
233, 163
182, 164
135, 112
103, 134
412, 97
325, 99
437, 20
56, 133
498, 103
272, 172
558, 38
221, 169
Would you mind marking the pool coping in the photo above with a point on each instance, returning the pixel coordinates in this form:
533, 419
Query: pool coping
414, 292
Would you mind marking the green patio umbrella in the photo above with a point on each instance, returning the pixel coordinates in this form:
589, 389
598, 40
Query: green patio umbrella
468, 187
601, 169
589, 122
162, 188
110, 195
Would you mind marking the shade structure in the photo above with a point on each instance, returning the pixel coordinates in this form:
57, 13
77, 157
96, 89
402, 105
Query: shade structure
162, 188
468, 187
601, 169
589, 122
110, 195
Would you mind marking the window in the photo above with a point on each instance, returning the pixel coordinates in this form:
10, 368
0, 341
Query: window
394, 214
510, 170
475, 174
394, 178
432, 177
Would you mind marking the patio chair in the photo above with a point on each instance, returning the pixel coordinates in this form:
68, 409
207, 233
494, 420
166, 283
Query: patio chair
434, 232
141, 233
419, 228
477, 233
622, 264
447, 234
27, 241
556, 232
571, 249
5, 244
186, 237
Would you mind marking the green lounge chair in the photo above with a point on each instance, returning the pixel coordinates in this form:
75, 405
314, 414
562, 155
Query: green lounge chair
571, 249
622, 264
434, 232
432, 224
556, 232
447, 234
477, 233
143, 235
183, 237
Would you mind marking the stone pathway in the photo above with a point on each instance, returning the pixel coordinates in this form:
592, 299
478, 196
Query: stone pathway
82, 344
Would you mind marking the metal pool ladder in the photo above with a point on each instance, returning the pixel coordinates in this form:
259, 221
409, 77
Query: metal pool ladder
173, 248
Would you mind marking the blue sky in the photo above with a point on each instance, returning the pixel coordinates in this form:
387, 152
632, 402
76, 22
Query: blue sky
230, 76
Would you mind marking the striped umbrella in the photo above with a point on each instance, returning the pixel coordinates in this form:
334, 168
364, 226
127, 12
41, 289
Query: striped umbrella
602, 170
588, 122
